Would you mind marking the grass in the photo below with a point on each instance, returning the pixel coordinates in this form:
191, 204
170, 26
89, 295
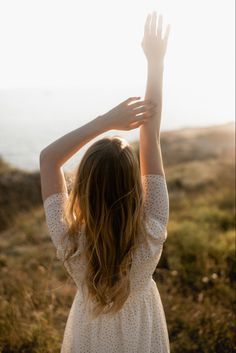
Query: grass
195, 276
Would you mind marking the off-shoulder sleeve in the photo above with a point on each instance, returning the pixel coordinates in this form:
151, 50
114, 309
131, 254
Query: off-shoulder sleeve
156, 206
54, 207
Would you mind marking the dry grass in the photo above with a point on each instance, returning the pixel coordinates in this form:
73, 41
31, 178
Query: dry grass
196, 274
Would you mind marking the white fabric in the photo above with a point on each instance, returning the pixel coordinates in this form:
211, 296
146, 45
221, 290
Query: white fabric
140, 326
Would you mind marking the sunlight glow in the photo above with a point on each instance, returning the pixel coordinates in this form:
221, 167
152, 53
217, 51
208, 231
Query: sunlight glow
96, 45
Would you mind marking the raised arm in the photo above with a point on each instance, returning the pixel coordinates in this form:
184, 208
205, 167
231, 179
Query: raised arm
125, 116
154, 47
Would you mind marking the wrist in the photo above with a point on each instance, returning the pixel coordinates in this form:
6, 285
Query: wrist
103, 122
156, 65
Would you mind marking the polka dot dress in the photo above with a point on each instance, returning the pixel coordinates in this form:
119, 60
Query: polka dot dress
140, 326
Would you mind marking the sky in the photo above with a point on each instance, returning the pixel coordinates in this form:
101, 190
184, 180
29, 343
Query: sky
95, 46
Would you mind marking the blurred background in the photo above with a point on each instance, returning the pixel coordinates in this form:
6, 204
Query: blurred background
63, 63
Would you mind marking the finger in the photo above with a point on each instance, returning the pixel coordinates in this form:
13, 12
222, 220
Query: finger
167, 33
144, 109
159, 27
142, 117
131, 99
147, 25
154, 23
138, 123
146, 103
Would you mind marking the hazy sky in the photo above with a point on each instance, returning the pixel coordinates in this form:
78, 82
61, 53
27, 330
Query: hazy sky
96, 44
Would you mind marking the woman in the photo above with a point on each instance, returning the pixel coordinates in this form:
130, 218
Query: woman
109, 231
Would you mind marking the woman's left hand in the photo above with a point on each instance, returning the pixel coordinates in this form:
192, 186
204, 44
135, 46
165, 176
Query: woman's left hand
127, 116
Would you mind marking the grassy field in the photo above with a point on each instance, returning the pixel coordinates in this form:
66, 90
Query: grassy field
196, 274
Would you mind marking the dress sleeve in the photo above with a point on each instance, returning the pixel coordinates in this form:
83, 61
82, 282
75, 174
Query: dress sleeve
55, 220
156, 206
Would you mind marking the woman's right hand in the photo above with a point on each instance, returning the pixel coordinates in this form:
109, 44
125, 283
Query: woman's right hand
154, 46
127, 116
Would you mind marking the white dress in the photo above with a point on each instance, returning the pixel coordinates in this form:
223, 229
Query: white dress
140, 326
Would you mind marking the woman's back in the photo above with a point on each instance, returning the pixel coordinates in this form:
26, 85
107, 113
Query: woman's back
107, 198
142, 313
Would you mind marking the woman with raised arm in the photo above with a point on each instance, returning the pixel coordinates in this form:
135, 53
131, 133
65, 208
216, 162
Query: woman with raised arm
109, 230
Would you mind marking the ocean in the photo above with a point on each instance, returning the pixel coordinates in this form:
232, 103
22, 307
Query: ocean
30, 119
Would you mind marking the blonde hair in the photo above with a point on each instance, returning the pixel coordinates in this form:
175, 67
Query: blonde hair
107, 198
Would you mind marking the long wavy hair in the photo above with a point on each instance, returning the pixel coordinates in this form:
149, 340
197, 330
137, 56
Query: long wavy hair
107, 198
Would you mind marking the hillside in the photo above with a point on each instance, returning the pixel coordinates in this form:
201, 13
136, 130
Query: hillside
195, 276
197, 144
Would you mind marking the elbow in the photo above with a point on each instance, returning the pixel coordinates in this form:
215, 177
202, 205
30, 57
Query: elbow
42, 157
46, 160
